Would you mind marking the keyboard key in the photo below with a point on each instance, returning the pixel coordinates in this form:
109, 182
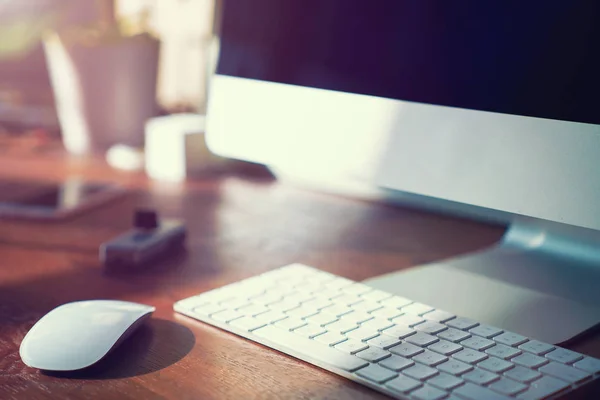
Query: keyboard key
462, 323
310, 330
295, 285
429, 393
362, 334
588, 364
396, 363
480, 376
503, 351
420, 372
399, 332
387, 313
251, 292
439, 316
351, 346
536, 347
403, 384
302, 298
320, 275
317, 281
430, 358
564, 372
378, 324
301, 312
529, 360
543, 388
383, 342
310, 348
445, 347
342, 326
396, 302
510, 339
322, 318
445, 381
376, 373
236, 302
357, 289
495, 365
564, 356
453, 335
408, 320
347, 299
373, 354
315, 289
337, 309
417, 309
508, 386
431, 327
477, 343
469, 356
338, 284
248, 323
521, 374
376, 295
454, 367
308, 287
253, 310
486, 331
367, 306
318, 303
422, 339
290, 323
471, 391
406, 350
331, 338
271, 316
358, 317
266, 298
227, 316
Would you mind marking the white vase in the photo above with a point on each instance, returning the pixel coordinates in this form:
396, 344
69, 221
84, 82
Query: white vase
104, 92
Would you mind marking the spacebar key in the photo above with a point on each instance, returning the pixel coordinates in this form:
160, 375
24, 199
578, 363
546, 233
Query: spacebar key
308, 350
475, 392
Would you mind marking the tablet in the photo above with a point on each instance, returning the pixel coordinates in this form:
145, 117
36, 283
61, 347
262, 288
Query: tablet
51, 201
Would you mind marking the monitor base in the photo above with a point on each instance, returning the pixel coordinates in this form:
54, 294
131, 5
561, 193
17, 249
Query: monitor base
541, 281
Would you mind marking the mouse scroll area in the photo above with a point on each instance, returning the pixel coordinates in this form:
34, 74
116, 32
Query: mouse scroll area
77, 335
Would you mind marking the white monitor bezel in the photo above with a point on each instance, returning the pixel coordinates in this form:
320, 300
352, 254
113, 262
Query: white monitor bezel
535, 167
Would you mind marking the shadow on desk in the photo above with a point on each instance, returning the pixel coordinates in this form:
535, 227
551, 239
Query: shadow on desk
156, 345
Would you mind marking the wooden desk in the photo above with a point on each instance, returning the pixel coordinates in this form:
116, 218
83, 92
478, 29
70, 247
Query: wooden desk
241, 223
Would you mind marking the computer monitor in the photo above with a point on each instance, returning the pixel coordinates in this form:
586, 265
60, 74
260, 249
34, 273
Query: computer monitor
484, 108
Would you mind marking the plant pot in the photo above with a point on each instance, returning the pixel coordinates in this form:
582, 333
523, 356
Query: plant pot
104, 91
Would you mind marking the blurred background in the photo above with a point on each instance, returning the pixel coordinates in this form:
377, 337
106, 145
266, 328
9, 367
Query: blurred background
89, 74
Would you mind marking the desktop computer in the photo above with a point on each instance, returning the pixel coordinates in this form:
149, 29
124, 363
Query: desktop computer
485, 109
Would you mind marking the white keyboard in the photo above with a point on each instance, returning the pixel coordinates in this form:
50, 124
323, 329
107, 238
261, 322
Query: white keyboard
402, 348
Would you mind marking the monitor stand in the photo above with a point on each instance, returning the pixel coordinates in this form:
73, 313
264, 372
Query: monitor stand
542, 281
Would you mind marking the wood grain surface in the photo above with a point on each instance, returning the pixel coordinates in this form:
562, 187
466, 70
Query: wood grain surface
241, 222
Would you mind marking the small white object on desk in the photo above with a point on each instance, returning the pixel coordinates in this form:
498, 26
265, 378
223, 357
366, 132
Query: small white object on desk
125, 157
176, 146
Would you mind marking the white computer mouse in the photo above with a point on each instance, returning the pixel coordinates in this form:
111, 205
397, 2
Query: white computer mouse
76, 335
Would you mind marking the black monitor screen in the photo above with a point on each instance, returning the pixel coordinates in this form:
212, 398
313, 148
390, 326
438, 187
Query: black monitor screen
533, 58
